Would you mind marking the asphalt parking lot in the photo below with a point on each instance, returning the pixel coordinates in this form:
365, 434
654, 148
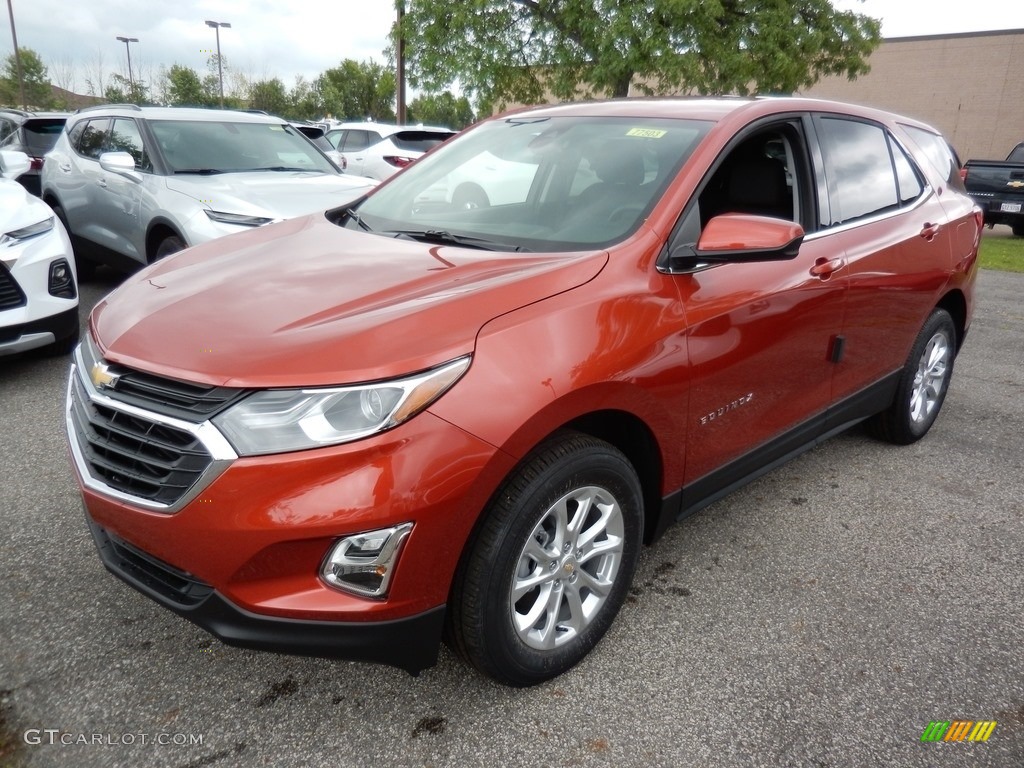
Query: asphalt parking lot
822, 617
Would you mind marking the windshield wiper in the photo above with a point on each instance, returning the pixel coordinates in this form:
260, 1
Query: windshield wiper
283, 168
201, 171
350, 213
441, 236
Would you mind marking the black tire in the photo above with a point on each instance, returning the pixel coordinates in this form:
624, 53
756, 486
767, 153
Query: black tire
84, 269
1018, 230
923, 384
170, 244
519, 540
470, 196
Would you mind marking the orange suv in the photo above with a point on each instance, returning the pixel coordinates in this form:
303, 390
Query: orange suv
351, 433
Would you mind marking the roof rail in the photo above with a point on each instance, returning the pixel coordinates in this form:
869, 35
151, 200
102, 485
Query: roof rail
109, 106
17, 111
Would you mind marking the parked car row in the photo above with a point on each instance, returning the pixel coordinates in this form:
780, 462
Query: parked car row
464, 420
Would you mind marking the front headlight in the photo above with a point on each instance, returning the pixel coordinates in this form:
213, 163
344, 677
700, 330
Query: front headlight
280, 420
17, 235
238, 218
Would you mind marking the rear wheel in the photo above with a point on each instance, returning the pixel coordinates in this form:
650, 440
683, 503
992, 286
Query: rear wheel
551, 564
1018, 230
923, 384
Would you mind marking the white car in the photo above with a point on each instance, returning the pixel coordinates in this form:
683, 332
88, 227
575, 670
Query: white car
38, 292
134, 184
378, 150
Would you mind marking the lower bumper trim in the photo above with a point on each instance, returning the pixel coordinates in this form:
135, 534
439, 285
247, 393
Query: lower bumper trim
410, 643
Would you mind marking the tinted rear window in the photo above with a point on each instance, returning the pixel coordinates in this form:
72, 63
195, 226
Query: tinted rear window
419, 141
42, 134
1017, 155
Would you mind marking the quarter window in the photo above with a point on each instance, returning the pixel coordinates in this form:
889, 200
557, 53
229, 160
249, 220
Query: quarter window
91, 144
907, 179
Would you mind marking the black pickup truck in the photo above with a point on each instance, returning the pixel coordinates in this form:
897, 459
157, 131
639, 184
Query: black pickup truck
998, 187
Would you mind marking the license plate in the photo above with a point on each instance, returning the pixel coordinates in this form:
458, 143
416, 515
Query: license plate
1010, 208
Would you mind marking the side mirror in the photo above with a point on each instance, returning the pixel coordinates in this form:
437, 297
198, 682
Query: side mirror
740, 237
121, 163
13, 164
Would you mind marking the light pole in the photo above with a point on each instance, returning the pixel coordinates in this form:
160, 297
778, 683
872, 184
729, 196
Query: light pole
128, 50
220, 69
17, 56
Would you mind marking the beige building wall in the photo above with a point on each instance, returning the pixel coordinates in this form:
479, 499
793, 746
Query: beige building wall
970, 86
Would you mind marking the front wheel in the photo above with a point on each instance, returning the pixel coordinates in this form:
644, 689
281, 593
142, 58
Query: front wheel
170, 244
923, 384
551, 564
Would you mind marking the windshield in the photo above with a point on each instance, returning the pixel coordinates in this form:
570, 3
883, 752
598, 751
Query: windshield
230, 147
536, 183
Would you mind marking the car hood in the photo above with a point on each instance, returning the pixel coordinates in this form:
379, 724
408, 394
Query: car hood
306, 302
275, 194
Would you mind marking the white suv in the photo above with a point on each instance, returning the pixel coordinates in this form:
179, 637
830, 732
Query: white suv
379, 150
38, 293
134, 184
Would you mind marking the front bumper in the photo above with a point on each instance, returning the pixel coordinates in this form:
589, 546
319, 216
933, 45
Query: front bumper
38, 333
241, 551
410, 643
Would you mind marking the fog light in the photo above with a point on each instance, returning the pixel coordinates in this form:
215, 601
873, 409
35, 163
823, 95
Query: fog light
62, 281
364, 562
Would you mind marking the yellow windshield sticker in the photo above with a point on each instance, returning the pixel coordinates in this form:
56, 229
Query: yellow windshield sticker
646, 133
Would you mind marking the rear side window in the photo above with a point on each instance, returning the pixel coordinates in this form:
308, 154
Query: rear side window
353, 140
75, 134
6, 130
91, 143
867, 171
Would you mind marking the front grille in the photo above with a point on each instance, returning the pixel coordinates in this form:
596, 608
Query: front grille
132, 454
175, 585
11, 295
171, 397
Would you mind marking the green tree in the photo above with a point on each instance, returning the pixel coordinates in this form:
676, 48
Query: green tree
184, 88
441, 109
121, 91
305, 100
357, 90
35, 78
516, 50
270, 96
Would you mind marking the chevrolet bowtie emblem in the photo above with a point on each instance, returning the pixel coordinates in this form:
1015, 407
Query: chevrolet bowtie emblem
1015, 184
102, 378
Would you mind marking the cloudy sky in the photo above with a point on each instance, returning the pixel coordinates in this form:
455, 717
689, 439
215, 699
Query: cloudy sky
288, 38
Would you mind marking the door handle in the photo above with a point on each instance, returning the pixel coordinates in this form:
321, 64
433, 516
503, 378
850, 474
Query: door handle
66, 167
930, 231
824, 268
102, 183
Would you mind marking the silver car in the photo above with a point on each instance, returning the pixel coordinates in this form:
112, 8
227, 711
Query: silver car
133, 184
